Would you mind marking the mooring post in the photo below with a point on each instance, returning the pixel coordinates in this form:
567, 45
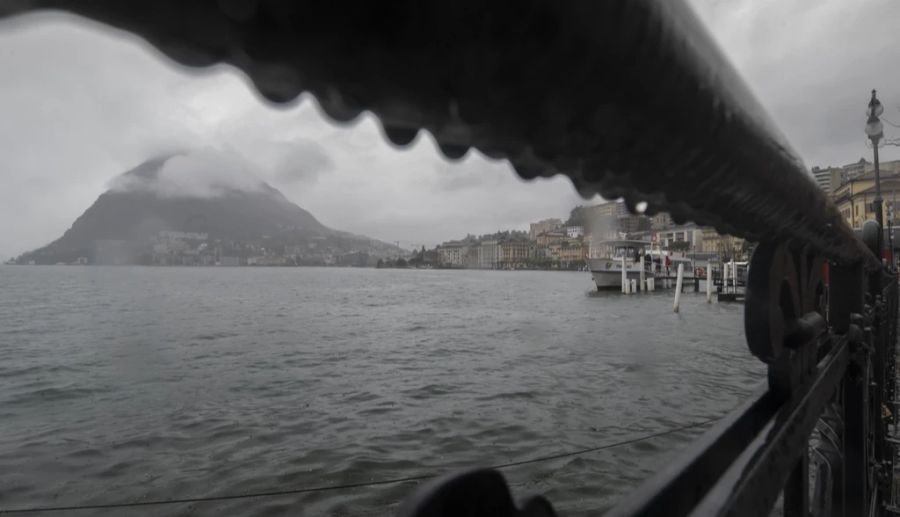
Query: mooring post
633, 285
725, 277
643, 285
624, 277
678, 280
733, 277
709, 282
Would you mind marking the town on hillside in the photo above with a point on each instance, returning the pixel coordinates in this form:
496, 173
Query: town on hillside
557, 244
566, 245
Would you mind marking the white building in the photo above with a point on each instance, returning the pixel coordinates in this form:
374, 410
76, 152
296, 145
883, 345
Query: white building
822, 178
488, 254
573, 232
452, 254
692, 234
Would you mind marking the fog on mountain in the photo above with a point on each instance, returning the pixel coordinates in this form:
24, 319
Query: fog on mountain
203, 207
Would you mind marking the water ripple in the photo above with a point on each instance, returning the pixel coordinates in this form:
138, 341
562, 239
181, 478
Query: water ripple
128, 384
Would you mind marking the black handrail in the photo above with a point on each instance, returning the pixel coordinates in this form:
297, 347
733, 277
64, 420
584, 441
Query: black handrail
626, 97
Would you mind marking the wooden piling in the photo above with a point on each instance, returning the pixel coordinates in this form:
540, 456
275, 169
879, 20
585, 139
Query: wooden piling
643, 285
733, 277
678, 284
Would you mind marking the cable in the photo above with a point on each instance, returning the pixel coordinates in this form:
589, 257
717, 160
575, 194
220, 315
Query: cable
889, 122
602, 447
294, 491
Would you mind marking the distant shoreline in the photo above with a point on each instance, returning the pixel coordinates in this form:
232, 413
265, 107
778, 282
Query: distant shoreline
155, 266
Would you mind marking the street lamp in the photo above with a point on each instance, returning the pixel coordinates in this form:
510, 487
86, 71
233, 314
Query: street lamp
875, 132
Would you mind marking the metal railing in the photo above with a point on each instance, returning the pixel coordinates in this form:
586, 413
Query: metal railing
830, 351
628, 98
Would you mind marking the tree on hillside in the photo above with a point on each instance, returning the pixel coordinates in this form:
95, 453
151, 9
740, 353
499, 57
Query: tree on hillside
576, 216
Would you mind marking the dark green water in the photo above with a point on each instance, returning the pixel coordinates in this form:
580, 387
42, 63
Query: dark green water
129, 384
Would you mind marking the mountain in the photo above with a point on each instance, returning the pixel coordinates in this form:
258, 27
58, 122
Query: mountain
231, 211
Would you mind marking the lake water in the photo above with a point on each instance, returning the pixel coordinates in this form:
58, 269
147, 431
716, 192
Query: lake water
130, 384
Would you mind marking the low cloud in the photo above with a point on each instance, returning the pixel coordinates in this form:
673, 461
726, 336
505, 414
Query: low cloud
302, 161
474, 173
205, 173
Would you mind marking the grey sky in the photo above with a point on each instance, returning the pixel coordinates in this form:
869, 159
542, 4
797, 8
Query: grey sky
81, 103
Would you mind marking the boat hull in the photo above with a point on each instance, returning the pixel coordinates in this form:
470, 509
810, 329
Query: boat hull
607, 273
612, 280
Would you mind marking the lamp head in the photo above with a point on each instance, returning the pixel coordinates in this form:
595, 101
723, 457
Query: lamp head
875, 108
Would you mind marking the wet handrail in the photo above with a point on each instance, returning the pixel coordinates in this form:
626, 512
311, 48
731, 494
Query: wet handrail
628, 98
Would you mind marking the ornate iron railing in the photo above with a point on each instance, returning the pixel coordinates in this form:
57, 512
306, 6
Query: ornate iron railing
628, 98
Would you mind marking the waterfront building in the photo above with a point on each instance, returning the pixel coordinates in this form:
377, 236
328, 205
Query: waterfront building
855, 195
547, 238
452, 254
544, 226
568, 253
488, 254
573, 232
830, 178
610, 209
709, 241
661, 221
827, 178
267, 260
722, 246
514, 254
610, 220
470, 256
633, 223
690, 233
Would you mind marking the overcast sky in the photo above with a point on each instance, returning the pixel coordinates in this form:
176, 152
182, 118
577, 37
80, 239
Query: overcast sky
81, 103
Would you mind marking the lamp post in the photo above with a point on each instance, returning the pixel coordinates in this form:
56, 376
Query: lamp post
890, 214
875, 132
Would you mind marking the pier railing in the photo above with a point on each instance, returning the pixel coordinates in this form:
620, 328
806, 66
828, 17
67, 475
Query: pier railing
628, 98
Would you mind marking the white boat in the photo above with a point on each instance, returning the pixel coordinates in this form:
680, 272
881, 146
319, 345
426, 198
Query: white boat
606, 267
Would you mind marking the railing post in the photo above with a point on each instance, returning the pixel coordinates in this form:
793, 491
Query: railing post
845, 296
796, 490
878, 378
855, 433
846, 304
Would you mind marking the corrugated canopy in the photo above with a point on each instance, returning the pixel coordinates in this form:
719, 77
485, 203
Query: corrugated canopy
627, 98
